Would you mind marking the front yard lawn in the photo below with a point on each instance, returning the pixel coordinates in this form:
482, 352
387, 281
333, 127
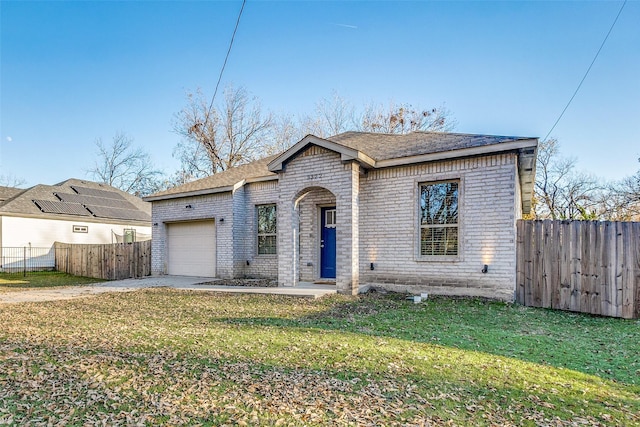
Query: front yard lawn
41, 279
168, 357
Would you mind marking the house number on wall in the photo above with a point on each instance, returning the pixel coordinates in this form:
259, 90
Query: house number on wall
314, 176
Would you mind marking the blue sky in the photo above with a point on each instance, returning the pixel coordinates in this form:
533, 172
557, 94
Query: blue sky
73, 71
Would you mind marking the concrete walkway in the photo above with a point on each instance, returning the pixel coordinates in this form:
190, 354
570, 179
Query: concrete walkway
176, 282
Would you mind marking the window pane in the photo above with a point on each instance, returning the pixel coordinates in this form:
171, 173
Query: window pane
266, 219
439, 203
426, 241
439, 241
451, 241
266, 245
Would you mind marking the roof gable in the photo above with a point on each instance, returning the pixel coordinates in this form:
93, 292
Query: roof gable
376, 150
346, 153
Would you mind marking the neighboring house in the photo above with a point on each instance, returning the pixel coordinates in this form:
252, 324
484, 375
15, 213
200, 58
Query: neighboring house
74, 211
8, 192
422, 212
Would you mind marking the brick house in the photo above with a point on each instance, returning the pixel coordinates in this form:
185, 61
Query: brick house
424, 211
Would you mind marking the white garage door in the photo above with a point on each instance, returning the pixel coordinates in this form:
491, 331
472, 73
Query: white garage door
191, 248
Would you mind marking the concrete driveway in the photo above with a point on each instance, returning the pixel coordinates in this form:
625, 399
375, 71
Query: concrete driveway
176, 282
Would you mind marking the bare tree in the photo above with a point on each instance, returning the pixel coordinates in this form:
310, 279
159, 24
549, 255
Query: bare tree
623, 199
198, 124
195, 162
560, 191
126, 167
284, 133
11, 181
217, 139
245, 128
336, 115
404, 118
332, 116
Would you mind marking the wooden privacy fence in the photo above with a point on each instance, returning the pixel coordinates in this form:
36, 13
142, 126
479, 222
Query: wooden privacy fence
586, 266
112, 262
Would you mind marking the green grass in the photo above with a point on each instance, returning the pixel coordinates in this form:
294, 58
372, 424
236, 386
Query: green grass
41, 279
168, 357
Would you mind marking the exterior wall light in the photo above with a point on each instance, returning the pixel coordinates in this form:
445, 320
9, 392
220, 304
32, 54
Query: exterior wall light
371, 266
188, 207
485, 268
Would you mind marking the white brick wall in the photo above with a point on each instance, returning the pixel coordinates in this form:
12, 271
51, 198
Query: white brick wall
488, 209
215, 206
235, 236
317, 169
245, 225
377, 216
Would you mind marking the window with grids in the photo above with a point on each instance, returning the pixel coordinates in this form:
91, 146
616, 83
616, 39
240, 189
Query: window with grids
266, 229
439, 219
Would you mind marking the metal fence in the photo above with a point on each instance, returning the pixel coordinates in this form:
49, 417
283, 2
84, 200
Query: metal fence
28, 259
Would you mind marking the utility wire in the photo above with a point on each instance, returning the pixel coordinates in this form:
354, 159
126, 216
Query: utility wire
233, 36
588, 69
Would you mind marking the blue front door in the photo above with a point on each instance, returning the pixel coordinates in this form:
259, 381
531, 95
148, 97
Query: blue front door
328, 243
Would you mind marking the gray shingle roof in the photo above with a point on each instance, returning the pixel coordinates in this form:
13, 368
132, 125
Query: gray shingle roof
51, 199
377, 146
8, 192
230, 177
382, 146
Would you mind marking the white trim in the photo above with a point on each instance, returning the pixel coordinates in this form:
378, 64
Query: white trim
262, 179
319, 208
239, 184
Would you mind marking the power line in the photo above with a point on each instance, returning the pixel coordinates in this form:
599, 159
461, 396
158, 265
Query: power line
233, 36
588, 69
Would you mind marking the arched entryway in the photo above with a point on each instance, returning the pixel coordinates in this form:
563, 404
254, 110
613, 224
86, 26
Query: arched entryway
316, 186
317, 235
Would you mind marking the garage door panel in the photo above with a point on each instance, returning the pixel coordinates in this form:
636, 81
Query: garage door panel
191, 248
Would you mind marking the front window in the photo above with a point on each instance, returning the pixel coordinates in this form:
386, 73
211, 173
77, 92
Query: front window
266, 229
439, 219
